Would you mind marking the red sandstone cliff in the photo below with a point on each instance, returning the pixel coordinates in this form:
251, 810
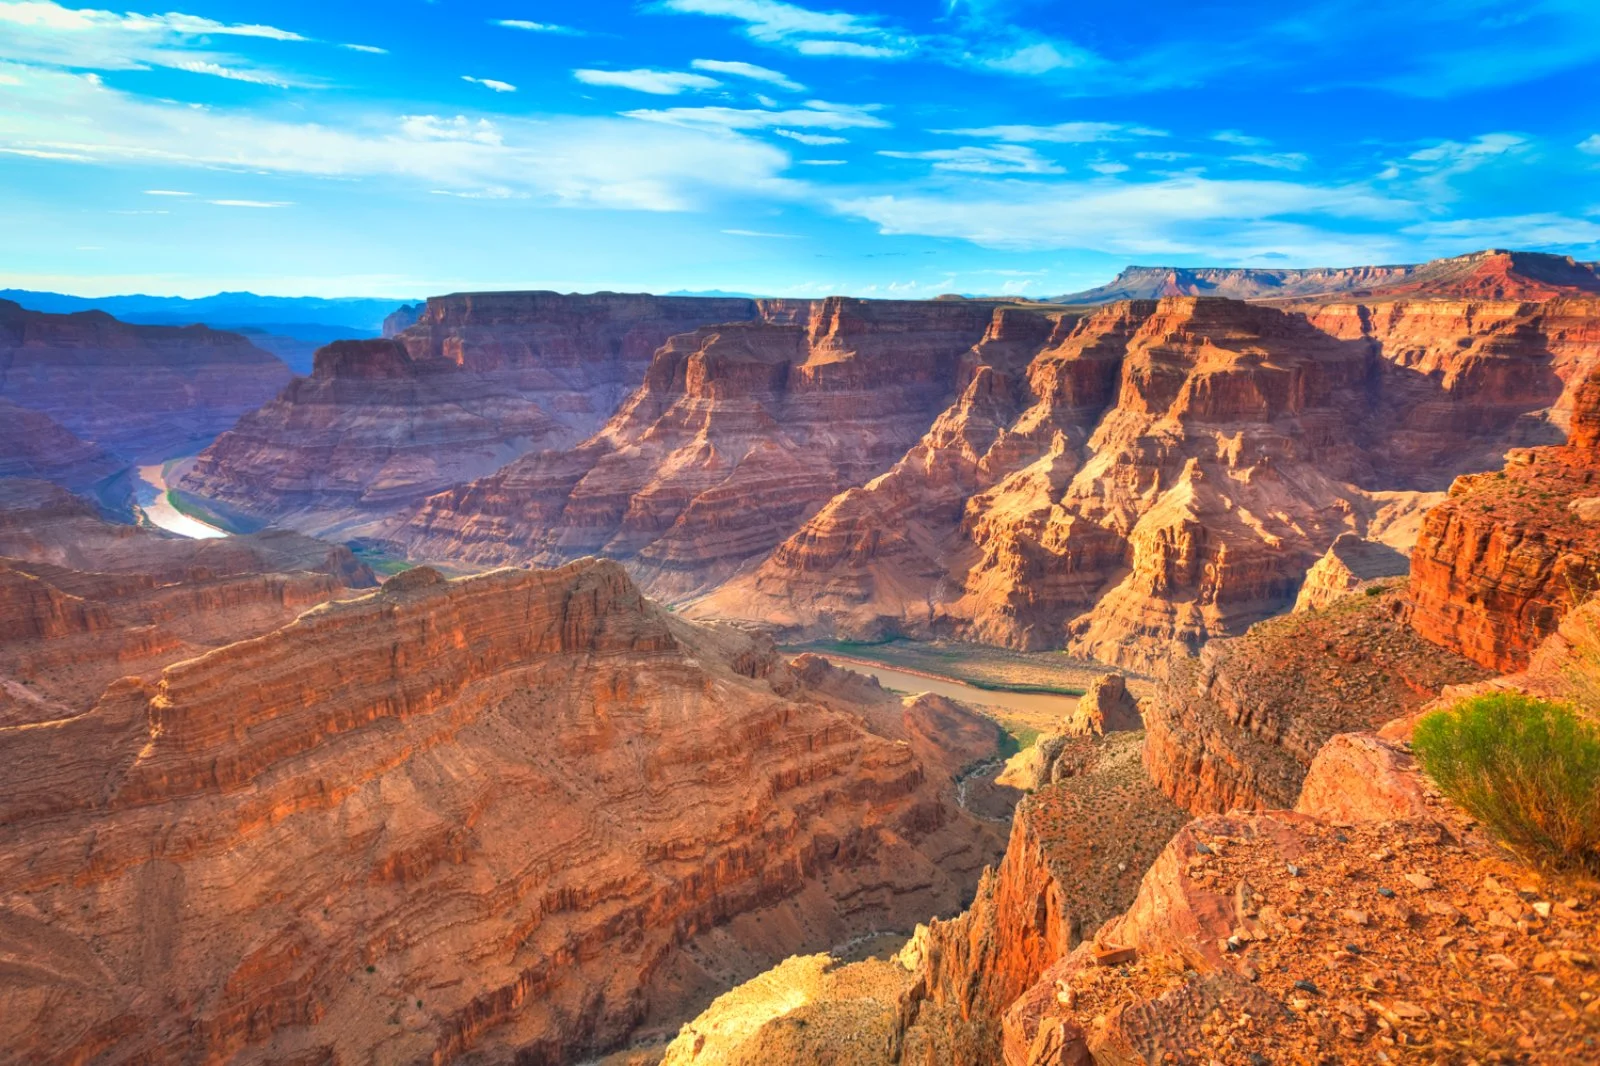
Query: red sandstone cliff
738, 433
1509, 553
509, 816
1154, 473
138, 391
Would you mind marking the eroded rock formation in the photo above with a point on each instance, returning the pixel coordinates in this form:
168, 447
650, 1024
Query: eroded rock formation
137, 391
737, 435
1349, 565
1153, 474
1509, 553
482, 819
33, 445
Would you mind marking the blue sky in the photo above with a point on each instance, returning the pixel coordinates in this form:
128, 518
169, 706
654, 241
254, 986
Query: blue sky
408, 147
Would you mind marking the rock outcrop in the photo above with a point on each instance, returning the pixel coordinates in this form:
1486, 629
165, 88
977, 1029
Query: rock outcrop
1106, 707
510, 816
1510, 553
137, 391
1239, 725
737, 435
1350, 564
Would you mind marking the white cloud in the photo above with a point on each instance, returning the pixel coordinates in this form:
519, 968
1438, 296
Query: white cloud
655, 82
251, 203
536, 27
1162, 157
1183, 215
816, 114
491, 83
748, 70
803, 30
813, 139
1040, 57
1243, 140
560, 160
852, 49
370, 49
1590, 145
822, 162
997, 159
166, 192
1511, 231
1106, 167
44, 33
1274, 160
1060, 133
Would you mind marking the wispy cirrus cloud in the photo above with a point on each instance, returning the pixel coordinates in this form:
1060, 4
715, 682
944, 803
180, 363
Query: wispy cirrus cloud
816, 114
44, 33
804, 30
1060, 132
536, 27
491, 83
813, 139
655, 82
566, 161
973, 159
748, 70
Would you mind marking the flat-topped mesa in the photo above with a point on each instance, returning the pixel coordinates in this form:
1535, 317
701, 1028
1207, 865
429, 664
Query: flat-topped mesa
136, 391
1150, 472
737, 434
1488, 275
459, 819
1500, 562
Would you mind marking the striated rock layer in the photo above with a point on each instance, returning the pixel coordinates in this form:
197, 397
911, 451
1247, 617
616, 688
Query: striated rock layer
738, 433
454, 391
1154, 473
484, 820
1509, 553
137, 391
33, 445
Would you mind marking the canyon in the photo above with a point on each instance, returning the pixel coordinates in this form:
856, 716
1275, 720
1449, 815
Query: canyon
481, 749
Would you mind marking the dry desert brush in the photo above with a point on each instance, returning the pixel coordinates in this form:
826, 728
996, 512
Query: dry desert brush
1527, 768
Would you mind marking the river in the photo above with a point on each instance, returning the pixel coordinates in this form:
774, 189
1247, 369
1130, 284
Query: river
1030, 704
152, 496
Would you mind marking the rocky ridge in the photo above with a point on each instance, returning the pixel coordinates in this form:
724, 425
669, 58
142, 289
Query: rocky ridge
511, 816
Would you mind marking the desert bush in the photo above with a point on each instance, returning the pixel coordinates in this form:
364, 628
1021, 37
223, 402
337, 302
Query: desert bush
1529, 769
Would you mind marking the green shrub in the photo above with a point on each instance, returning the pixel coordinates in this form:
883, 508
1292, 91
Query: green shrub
1529, 769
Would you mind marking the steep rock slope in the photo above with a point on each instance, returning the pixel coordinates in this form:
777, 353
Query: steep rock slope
738, 433
1493, 274
479, 820
1349, 564
84, 601
138, 391
372, 430
467, 384
33, 445
1509, 553
1148, 473
1074, 859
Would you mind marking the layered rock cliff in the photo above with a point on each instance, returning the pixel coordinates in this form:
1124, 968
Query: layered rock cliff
455, 390
510, 817
137, 391
1509, 553
1155, 473
33, 445
738, 433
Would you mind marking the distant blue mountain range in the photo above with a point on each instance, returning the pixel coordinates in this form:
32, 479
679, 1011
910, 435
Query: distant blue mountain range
290, 326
